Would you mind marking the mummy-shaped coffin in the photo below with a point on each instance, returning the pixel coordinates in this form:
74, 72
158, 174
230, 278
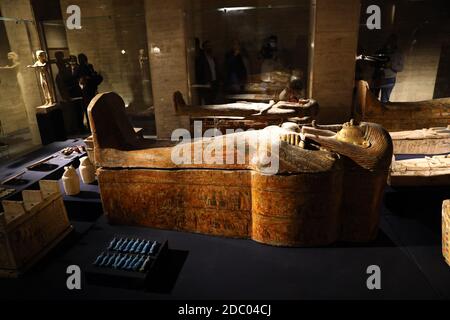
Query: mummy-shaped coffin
397, 116
272, 111
286, 186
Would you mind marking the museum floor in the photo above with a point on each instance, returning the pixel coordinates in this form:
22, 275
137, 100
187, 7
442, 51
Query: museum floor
408, 251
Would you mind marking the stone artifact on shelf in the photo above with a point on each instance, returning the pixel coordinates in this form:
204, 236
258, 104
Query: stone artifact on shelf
428, 171
87, 170
30, 227
431, 141
71, 181
446, 231
397, 116
321, 183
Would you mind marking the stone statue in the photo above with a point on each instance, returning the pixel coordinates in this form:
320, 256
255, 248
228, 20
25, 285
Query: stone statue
15, 62
44, 75
14, 65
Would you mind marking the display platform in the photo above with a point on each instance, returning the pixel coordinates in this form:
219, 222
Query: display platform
129, 262
48, 163
407, 250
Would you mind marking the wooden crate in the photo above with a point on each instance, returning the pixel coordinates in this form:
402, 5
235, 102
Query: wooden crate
31, 227
446, 230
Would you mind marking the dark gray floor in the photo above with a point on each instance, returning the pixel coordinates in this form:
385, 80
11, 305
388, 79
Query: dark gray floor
217, 268
408, 251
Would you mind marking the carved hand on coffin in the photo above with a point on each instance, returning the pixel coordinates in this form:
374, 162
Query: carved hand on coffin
266, 109
368, 145
292, 137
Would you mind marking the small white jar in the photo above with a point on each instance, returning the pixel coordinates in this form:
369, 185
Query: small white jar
87, 170
71, 181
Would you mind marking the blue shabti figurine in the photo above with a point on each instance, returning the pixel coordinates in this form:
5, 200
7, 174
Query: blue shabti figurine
117, 260
132, 262
138, 264
153, 248
124, 245
135, 245
129, 245
145, 265
121, 263
112, 244
127, 262
110, 261
104, 260
99, 259
118, 244
146, 247
139, 246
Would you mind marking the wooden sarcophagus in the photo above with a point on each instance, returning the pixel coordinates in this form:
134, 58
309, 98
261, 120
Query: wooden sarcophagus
427, 141
398, 116
283, 185
421, 158
30, 227
246, 115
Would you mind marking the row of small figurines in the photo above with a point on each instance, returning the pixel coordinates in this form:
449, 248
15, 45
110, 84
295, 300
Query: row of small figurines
128, 262
71, 180
133, 245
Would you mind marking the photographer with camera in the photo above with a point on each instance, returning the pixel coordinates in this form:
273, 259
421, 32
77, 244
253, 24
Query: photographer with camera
385, 74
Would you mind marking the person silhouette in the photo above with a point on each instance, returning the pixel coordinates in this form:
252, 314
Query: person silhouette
89, 80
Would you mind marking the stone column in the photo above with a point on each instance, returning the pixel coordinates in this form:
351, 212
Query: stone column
166, 32
334, 38
24, 40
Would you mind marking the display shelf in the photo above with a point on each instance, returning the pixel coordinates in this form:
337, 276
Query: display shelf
31, 171
121, 266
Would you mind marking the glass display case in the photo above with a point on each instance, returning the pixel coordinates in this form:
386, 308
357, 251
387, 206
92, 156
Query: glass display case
108, 53
248, 51
19, 133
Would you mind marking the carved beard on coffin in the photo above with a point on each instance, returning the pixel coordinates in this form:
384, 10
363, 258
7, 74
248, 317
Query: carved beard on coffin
316, 197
